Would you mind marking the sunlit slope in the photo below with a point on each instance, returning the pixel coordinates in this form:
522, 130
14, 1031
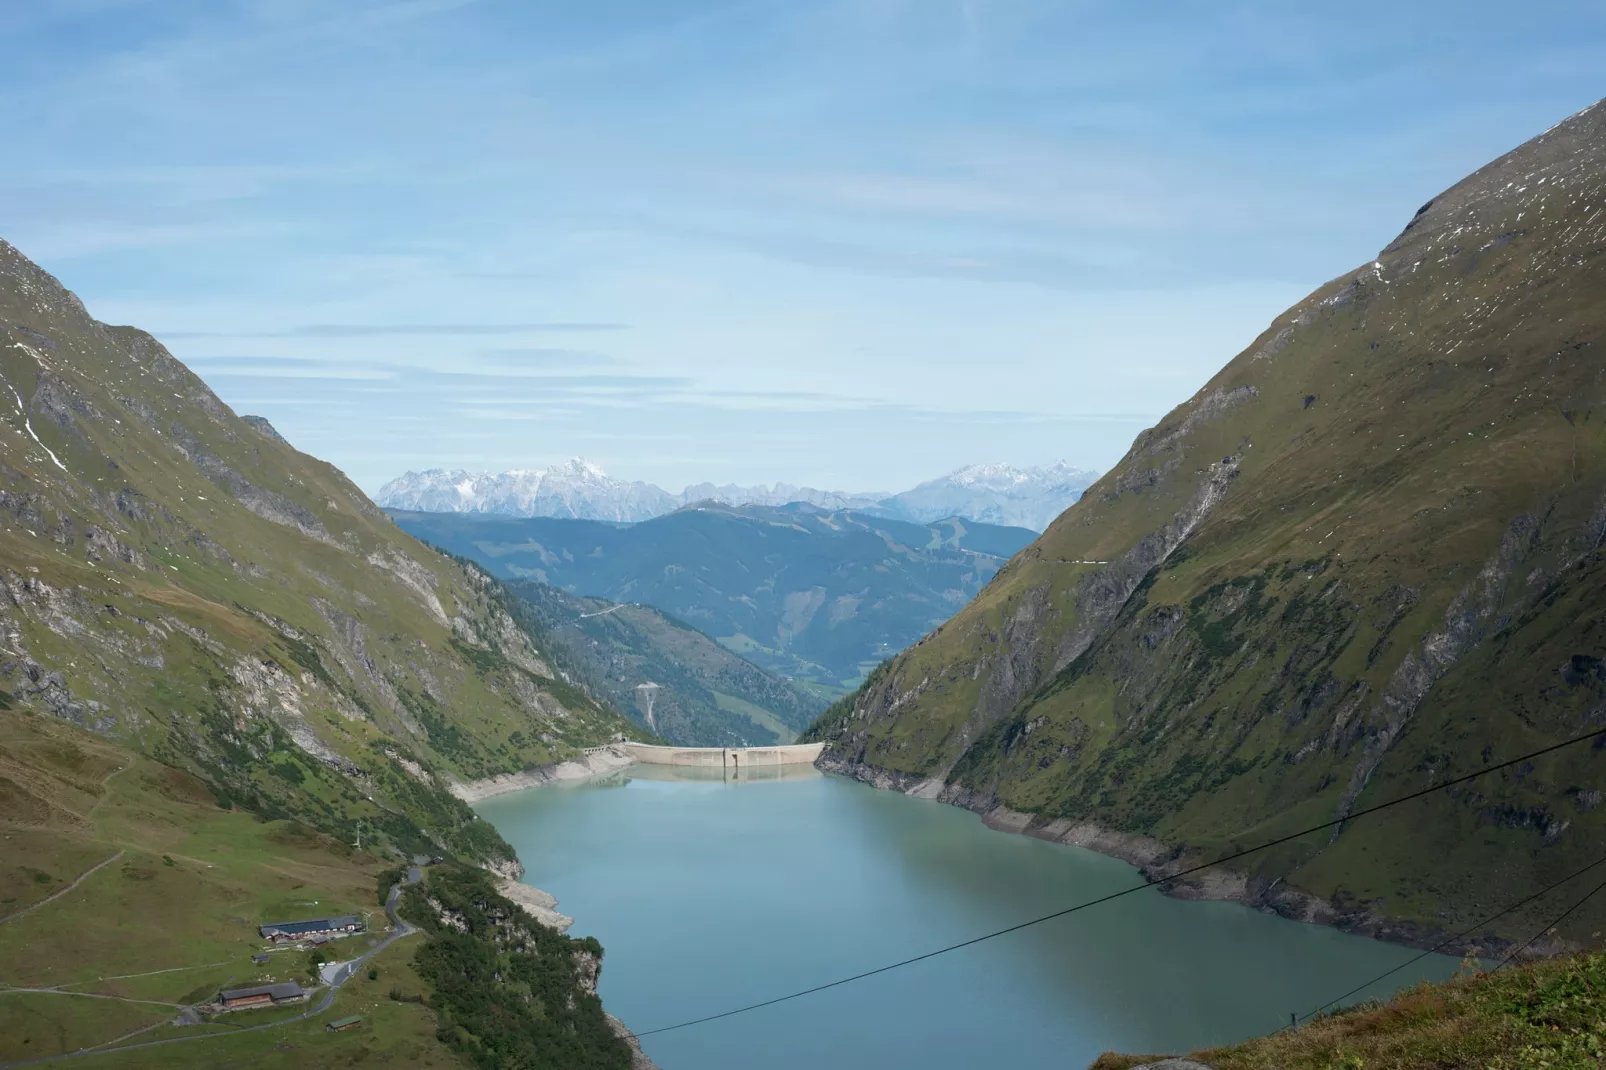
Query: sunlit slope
1364, 556
186, 581
127, 893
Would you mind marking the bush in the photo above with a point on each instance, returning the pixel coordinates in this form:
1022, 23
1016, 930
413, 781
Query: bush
507, 991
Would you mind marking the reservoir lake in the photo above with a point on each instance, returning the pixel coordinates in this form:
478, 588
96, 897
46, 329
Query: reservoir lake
708, 895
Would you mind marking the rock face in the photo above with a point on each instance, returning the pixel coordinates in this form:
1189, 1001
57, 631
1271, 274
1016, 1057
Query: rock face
183, 579
1363, 558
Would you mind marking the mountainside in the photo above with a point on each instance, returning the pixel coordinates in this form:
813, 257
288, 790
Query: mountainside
985, 493
1364, 557
671, 678
807, 593
993, 494
180, 578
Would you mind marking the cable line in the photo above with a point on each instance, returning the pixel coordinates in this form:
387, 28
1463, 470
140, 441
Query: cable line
1147, 883
1554, 922
1448, 940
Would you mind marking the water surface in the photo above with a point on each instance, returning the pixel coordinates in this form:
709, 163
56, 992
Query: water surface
708, 895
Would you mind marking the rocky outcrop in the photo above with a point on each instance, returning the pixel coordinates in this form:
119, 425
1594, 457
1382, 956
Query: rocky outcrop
542, 906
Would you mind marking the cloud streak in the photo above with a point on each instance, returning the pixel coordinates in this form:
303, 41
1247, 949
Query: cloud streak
397, 330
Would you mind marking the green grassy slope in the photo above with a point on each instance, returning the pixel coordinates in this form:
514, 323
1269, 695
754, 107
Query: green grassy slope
1363, 557
1546, 1016
185, 581
705, 696
171, 916
801, 591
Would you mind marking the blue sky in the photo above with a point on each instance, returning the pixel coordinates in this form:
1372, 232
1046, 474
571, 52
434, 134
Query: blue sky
849, 243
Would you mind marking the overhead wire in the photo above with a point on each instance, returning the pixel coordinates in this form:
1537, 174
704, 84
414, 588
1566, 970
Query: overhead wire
1148, 882
1456, 937
1557, 920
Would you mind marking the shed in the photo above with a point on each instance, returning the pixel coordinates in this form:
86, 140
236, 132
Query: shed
281, 931
340, 1025
261, 995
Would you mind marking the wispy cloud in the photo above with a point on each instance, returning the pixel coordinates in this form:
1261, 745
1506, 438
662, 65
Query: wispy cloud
523, 359
285, 368
383, 330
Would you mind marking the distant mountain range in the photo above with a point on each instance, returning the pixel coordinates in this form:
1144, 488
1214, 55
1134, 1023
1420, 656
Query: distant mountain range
581, 490
815, 594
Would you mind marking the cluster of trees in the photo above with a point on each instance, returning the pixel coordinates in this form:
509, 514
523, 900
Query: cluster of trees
508, 993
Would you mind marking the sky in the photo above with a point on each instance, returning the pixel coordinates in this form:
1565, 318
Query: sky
850, 244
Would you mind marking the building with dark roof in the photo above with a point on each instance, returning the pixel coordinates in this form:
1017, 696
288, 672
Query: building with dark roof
311, 928
239, 999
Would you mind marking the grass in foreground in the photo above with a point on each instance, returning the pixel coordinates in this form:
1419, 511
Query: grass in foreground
1547, 1016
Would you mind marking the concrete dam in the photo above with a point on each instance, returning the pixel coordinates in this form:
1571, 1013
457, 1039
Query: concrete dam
731, 759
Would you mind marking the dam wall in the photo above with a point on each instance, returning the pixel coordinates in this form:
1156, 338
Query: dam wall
731, 758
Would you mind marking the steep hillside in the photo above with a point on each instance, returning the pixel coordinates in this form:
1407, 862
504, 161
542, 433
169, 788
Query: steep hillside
182, 579
1365, 556
672, 679
807, 593
1536, 1017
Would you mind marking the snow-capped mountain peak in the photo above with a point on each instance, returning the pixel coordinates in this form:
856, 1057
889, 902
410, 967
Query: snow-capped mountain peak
576, 488
990, 493
995, 494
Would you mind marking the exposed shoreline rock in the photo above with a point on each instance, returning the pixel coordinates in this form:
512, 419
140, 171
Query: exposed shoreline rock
540, 905
638, 1058
605, 760
1154, 860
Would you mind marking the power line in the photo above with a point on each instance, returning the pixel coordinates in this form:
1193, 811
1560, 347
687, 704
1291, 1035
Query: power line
1148, 883
1448, 940
1563, 916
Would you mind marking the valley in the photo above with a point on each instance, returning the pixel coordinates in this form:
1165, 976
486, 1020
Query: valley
670, 679
1278, 745
803, 592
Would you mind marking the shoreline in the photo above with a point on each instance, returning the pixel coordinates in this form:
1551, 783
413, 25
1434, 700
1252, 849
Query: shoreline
1152, 859
536, 902
599, 760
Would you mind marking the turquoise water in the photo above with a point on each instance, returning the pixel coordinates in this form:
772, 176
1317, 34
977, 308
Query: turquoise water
710, 895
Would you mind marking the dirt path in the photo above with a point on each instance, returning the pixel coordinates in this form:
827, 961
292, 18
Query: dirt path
147, 973
91, 995
106, 792
51, 899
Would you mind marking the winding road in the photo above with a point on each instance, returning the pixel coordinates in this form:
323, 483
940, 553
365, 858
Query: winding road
345, 973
